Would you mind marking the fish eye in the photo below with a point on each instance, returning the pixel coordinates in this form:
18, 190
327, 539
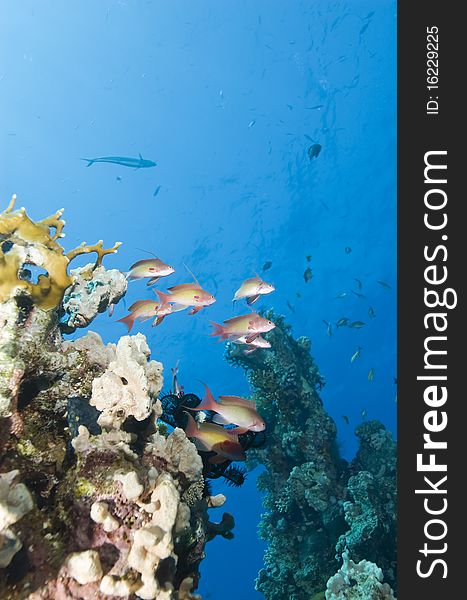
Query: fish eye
151, 269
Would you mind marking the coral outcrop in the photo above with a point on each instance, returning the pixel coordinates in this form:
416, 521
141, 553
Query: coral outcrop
96, 500
358, 581
311, 495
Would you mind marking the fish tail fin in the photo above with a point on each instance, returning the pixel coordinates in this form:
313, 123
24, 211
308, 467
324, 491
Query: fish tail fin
208, 402
191, 429
164, 298
218, 330
90, 161
129, 321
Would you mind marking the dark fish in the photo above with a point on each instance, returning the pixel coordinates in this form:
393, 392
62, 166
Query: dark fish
363, 413
308, 258
395, 380
290, 306
157, 190
314, 107
357, 324
359, 283
328, 328
358, 294
124, 161
267, 265
298, 294
342, 322
364, 28
371, 312
118, 178
308, 274
371, 374
314, 150
341, 295
348, 249
346, 419
384, 284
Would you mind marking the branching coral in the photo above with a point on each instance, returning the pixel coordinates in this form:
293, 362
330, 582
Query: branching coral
24, 242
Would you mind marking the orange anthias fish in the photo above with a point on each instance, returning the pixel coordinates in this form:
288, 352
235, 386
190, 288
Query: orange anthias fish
233, 410
259, 342
252, 289
214, 438
151, 267
251, 326
187, 294
140, 311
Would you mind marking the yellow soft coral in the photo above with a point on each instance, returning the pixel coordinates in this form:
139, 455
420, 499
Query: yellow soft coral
23, 242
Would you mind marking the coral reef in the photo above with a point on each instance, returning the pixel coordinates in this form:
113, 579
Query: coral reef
311, 495
96, 500
358, 581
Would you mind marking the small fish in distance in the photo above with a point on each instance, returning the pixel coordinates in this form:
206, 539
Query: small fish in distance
267, 265
308, 274
314, 150
384, 284
342, 322
348, 249
371, 312
357, 324
371, 374
346, 419
356, 354
124, 161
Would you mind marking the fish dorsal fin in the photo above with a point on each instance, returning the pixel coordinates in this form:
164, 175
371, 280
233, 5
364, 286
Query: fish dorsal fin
191, 273
141, 262
236, 319
184, 286
237, 400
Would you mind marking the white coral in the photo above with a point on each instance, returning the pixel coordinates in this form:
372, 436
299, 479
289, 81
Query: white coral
84, 567
129, 385
358, 581
131, 487
100, 514
15, 502
153, 542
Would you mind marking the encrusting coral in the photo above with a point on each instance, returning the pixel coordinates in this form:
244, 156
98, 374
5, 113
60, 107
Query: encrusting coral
95, 502
312, 496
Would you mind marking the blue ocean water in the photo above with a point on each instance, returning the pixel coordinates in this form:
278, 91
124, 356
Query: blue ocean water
226, 97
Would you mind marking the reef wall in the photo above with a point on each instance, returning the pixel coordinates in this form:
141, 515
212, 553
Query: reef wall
320, 510
95, 500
